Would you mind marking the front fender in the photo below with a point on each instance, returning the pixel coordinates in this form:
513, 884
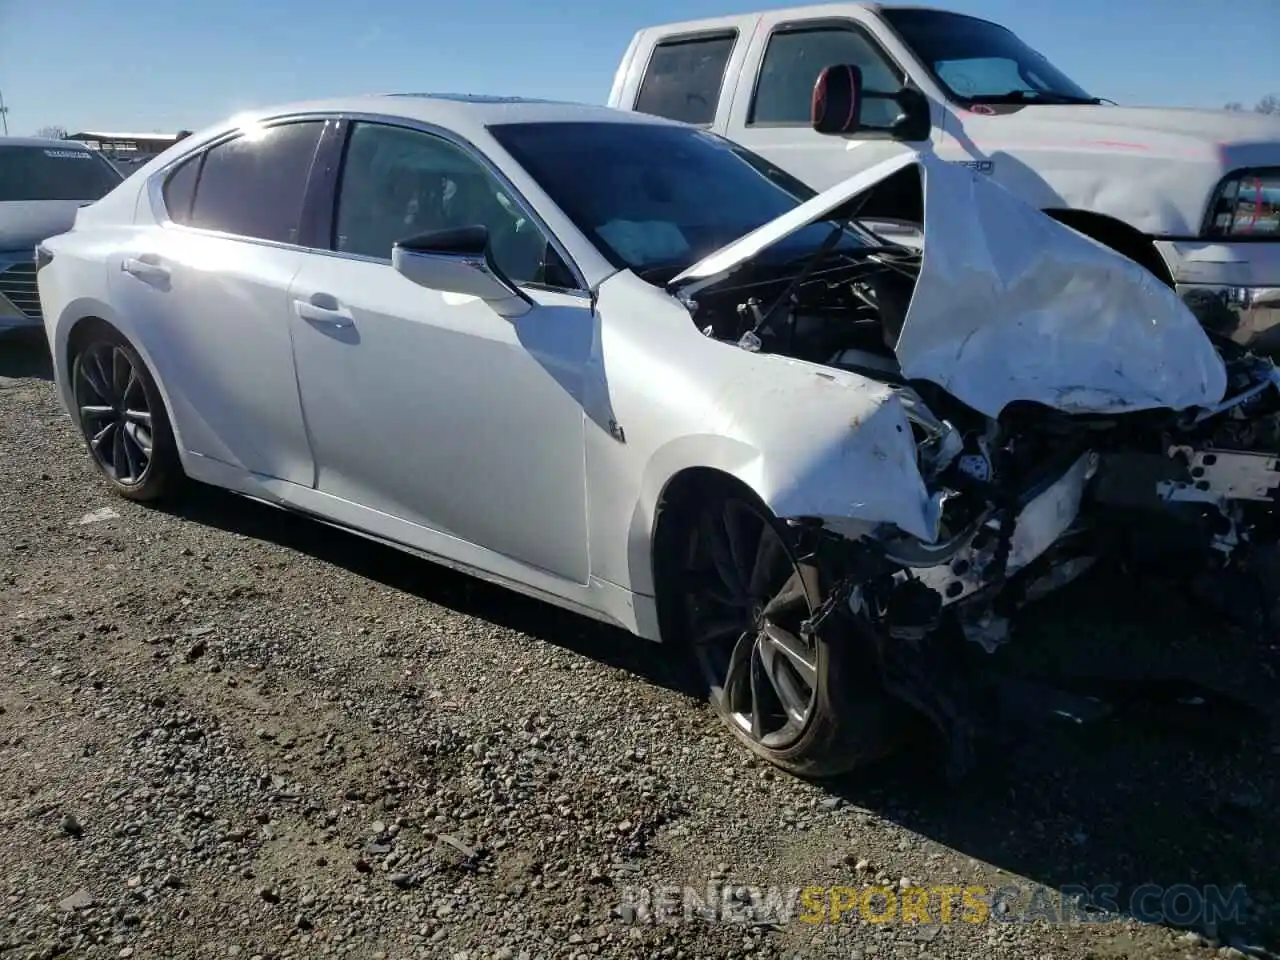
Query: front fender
809, 440
807, 447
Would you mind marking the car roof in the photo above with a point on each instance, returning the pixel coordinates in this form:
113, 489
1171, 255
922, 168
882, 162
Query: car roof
464, 113
46, 142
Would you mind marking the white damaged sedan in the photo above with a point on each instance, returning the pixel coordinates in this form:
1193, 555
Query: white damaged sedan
629, 367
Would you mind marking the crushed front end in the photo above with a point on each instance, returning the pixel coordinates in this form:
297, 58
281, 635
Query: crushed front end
1066, 406
1193, 494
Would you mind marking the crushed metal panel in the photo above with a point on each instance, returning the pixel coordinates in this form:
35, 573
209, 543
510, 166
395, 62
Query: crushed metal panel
1011, 305
1038, 527
1220, 475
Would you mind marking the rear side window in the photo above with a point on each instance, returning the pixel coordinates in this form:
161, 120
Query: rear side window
684, 77
180, 190
54, 173
793, 60
253, 186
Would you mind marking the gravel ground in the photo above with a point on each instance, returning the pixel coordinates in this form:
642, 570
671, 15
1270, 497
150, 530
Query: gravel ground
228, 732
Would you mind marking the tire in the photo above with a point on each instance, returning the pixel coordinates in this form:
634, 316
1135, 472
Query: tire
817, 708
123, 418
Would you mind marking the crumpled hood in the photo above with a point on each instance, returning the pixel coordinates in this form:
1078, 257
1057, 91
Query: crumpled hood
1010, 305
24, 223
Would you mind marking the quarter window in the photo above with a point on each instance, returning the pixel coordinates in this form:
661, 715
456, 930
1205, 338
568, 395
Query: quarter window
253, 186
793, 60
180, 190
684, 77
399, 183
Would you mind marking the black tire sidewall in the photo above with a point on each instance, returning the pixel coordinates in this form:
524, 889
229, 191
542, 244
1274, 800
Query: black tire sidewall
164, 466
854, 721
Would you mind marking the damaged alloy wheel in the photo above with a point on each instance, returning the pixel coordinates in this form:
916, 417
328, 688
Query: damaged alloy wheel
805, 700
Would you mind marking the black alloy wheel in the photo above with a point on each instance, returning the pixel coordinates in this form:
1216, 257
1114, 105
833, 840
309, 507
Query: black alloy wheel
807, 703
122, 418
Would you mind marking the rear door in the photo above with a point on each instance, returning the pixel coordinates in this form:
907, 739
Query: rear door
687, 75
208, 288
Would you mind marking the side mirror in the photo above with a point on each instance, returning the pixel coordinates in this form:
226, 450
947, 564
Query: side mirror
458, 261
838, 99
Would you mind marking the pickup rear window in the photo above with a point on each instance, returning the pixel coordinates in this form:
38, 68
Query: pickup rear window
51, 173
683, 79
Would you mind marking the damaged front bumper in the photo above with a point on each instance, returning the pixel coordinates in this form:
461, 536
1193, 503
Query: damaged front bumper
1039, 518
1208, 478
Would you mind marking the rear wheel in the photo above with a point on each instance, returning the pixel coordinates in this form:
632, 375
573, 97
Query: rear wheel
122, 417
810, 704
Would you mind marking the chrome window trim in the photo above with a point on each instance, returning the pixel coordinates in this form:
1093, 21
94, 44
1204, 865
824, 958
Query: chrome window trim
155, 189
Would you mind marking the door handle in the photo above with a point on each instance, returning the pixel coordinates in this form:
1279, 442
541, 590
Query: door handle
145, 269
323, 310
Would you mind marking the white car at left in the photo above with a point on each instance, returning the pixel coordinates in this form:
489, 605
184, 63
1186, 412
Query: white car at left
632, 368
42, 184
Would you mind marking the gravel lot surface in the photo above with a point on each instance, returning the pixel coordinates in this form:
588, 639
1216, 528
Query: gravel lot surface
228, 732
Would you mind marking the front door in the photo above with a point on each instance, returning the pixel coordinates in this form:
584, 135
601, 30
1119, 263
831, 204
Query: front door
772, 114
428, 406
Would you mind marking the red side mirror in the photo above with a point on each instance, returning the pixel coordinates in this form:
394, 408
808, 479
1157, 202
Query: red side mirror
837, 99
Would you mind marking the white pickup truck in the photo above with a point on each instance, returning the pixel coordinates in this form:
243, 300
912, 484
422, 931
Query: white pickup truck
1193, 195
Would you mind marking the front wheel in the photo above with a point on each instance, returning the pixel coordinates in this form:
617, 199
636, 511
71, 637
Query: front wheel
123, 419
810, 704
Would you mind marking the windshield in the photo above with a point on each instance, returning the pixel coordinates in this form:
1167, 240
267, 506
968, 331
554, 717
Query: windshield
982, 62
655, 197
49, 173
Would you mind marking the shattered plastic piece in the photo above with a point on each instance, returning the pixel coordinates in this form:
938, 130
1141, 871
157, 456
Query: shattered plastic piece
97, 516
82, 899
988, 631
976, 465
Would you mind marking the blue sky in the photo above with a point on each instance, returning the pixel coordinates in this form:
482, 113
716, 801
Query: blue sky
138, 65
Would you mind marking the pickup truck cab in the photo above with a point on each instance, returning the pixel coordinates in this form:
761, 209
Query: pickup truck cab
1193, 195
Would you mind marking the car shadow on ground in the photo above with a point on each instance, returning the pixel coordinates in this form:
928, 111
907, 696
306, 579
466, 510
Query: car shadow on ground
24, 354
1152, 814
436, 584
1110, 809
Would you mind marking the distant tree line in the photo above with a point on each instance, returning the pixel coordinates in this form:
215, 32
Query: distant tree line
1268, 104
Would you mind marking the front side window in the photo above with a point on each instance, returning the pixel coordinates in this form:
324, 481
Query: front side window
795, 57
657, 197
982, 62
399, 183
683, 79
253, 186
54, 173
